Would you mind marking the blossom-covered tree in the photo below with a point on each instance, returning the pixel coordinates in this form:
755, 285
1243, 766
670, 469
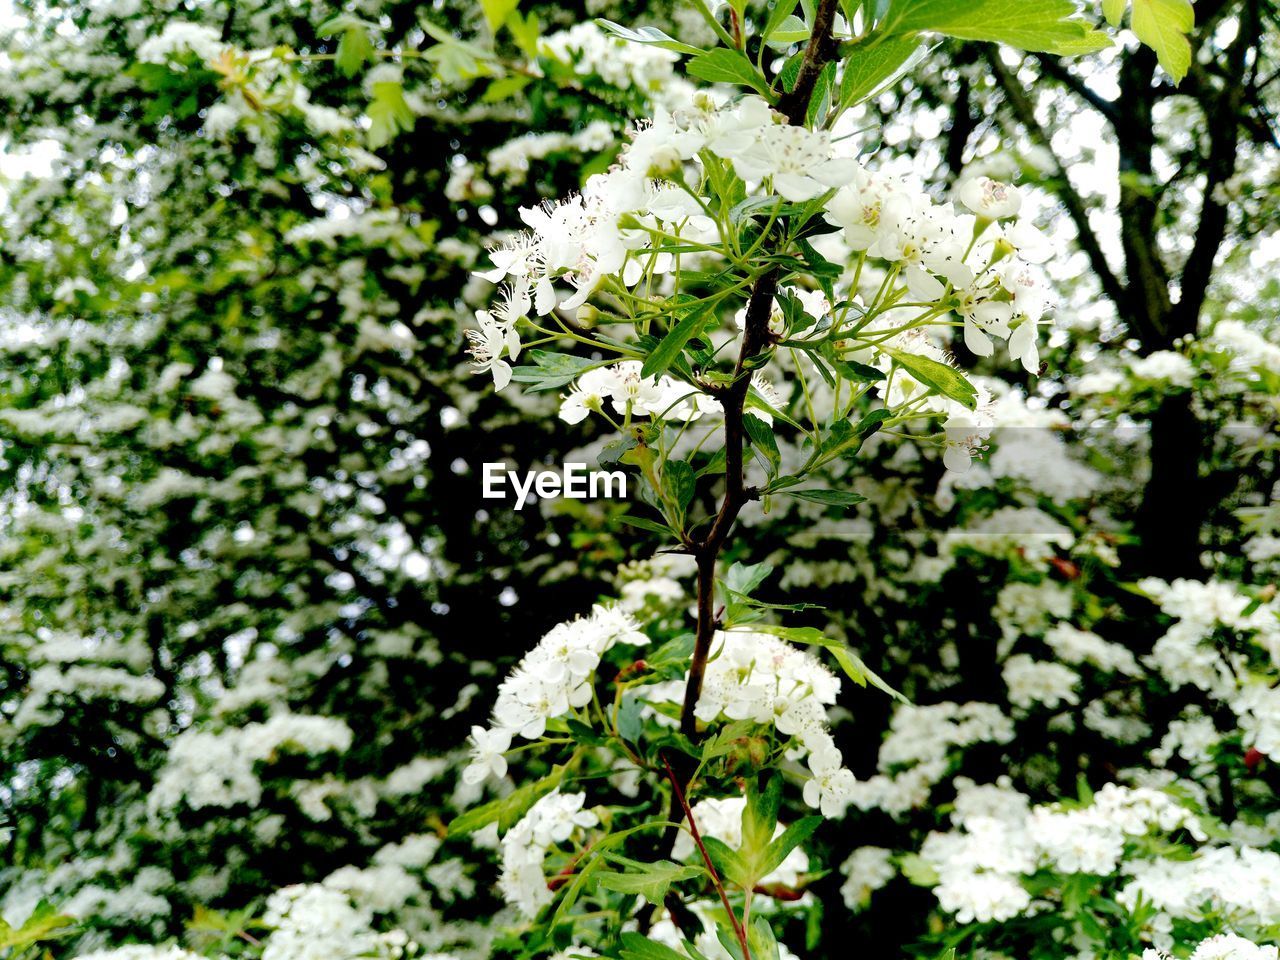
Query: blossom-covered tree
798, 270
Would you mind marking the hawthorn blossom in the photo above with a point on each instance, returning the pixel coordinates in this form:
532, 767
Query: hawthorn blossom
990, 199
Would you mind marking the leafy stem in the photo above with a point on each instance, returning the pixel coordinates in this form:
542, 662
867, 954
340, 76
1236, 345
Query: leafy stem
739, 930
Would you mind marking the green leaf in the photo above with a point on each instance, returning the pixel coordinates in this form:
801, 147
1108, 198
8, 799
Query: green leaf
1163, 26
551, 371
790, 838
744, 578
728, 863
761, 940
389, 114
851, 369
763, 443
723, 65
835, 498
636, 946
647, 35
1113, 11
496, 11
725, 740
778, 14
1050, 26
760, 815
918, 870
44, 924
506, 811
653, 527
354, 50
790, 30
648, 880
946, 380
849, 662
504, 88
678, 481
868, 71
665, 353
820, 99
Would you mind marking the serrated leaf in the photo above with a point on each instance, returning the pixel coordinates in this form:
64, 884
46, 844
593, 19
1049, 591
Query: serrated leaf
1050, 26
496, 11
724, 740
820, 99
506, 811
760, 816
651, 35
679, 483
1163, 26
551, 371
948, 381
791, 30
648, 880
868, 71
635, 946
763, 443
355, 49
389, 113
779, 13
670, 346
728, 863
761, 940
723, 65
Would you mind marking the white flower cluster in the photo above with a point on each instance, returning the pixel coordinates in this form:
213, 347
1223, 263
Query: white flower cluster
513, 159
966, 262
999, 839
182, 37
1225, 946
623, 388
551, 821
758, 677
1251, 347
216, 768
867, 869
552, 679
618, 62
1241, 885
1189, 655
917, 752
998, 292
309, 921
1043, 682
1076, 646
1163, 366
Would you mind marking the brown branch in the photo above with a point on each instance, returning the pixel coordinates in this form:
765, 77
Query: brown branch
794, 105
1055, 68
1025, 113
1222, 116
738, 930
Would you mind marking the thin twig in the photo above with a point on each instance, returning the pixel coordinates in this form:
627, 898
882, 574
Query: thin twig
738, 929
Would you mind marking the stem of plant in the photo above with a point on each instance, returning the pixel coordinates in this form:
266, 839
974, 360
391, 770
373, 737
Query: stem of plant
739, 930
755, 339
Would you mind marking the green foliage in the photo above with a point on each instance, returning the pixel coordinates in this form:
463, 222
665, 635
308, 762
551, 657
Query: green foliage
1052, 26
1163, 26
